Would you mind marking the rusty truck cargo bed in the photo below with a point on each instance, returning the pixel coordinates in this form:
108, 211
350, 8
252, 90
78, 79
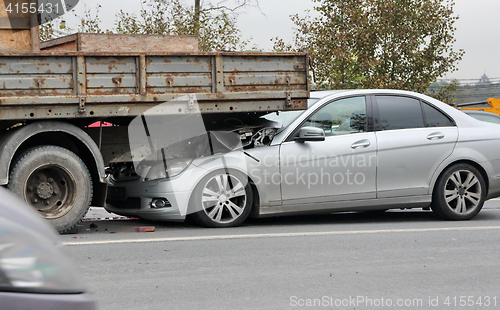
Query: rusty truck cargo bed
52, 85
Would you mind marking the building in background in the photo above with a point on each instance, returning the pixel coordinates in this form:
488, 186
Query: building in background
472, 90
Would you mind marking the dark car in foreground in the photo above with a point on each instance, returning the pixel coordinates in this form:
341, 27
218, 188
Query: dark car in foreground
35, 273
352, 150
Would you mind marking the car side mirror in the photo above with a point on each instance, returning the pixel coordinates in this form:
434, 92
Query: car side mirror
310, 134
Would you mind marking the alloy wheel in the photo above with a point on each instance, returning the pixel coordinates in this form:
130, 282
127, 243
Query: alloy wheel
224, 198
462, 192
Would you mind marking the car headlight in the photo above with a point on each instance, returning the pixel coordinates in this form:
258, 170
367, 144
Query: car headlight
174, 168
31, 263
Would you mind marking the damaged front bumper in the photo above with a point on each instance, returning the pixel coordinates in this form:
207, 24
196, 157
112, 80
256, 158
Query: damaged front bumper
164, 199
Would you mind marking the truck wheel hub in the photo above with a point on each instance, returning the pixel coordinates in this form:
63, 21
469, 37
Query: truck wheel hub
44, 190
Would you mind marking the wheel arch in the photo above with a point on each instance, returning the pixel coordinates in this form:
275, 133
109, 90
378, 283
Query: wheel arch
16, 141
254, 212
480, 168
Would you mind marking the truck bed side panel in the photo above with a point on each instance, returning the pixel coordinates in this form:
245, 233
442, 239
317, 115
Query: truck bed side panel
88, 84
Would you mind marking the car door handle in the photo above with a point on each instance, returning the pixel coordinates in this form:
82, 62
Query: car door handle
361, 143
435, 136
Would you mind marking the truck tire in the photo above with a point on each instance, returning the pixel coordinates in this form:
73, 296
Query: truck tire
55, 182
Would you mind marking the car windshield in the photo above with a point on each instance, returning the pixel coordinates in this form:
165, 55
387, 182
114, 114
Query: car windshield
285, 118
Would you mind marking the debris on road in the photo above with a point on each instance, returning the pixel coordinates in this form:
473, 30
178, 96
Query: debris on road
144, 229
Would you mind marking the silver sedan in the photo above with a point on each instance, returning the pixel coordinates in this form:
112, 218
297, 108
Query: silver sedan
352, 150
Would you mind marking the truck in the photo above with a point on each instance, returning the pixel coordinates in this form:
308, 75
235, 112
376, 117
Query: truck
490, 105
57, 162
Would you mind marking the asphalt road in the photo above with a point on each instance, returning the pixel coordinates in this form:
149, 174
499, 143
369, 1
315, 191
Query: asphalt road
395, 260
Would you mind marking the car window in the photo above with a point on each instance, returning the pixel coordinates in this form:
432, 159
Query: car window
344, 116
398, 113
435, 118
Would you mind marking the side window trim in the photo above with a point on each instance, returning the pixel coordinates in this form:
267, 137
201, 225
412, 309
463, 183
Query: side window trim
369, 115
376, 115
422, 103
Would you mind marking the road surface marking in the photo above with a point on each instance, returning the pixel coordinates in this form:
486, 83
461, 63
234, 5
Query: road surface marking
277, 235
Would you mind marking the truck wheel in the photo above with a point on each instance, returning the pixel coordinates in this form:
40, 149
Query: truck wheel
55, 182
222, 199
459, 193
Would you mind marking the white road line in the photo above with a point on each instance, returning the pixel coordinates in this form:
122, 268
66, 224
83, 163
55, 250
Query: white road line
277, 235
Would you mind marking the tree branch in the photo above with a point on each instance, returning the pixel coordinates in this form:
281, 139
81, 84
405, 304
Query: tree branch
219, 6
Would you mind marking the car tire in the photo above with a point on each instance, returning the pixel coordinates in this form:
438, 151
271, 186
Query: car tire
221, 199
459, 193
55, 182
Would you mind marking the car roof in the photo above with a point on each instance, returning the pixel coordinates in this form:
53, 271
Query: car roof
318, 94
324, 93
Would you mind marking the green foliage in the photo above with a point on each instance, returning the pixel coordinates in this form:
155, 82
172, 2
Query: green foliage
400, 44
89, 23
216, 28
46, 32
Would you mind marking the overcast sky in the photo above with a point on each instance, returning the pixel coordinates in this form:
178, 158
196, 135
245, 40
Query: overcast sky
478, 29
